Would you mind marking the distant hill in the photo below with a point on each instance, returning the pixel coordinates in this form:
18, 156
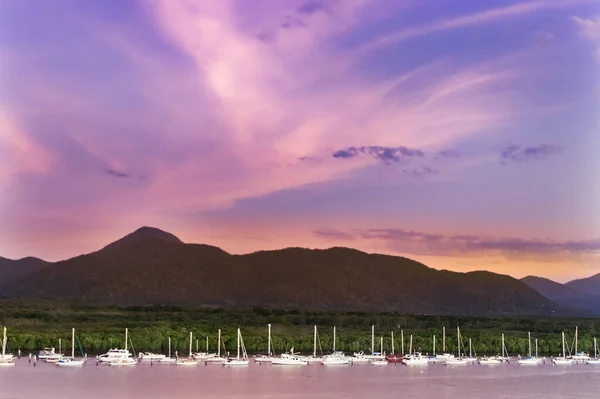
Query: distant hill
564, 295
12, 271
150, 266
590, 285
144, 233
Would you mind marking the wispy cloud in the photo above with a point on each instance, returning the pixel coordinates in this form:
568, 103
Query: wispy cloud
422, 243
475, 19
518, 153
590, 30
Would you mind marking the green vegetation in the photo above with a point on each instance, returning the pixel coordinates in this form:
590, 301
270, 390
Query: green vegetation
32, 326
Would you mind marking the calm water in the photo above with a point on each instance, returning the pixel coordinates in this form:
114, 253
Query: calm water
313, 381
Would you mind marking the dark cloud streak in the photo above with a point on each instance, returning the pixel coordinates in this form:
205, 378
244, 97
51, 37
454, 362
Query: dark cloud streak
117, 174
384, 154
515, 152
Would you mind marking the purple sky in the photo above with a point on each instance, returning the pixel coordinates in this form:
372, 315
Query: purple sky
460, 133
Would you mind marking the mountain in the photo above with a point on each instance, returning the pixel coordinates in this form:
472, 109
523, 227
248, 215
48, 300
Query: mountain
154, 267
15, 270
144, 233
590, 285
564, 295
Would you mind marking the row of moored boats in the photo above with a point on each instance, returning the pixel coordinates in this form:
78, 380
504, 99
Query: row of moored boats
123, 357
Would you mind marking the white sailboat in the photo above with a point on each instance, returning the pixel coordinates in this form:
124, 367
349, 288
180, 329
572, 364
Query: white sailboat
530, 360
444, 356
268, 358
168, 359
414, 359
190, 361
579, 356
562, 361
314, 358
380, 362
119, 357
71, 361
238, 361
493, 360
471, 359
337, 358
595, 360
6, 360
218, 358
457, 361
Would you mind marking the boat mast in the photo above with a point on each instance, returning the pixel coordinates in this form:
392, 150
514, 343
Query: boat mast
190, 344
334, 338
529, 338
169, 347
315, 343
503, 347
470, 353
575, 340
410, 350
60, 346
73, 344
433, 344
4, 343
595, 349
392, 343
382, 345
126, 331
269, 343
372, 339
536, 348
444, 339
238, 344
207, 344
563, 345
219, 344
458, 339
402, 339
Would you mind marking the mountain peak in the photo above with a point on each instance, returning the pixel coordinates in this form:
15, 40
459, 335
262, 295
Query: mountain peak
144, 233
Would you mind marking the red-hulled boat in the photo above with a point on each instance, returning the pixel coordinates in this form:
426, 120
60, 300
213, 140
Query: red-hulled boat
394, 358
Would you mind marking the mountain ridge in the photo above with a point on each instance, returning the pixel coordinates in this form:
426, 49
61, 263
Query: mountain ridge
150, 266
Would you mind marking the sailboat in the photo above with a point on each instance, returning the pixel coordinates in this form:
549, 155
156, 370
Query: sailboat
268, 358
337, 357
457, 361
392, 357
238, 361
218, 358
492, 360
119, 357
562, 361
314, 358
6, 359
71, 361
190, 361
168, 359
444, 356
471, 359
530, 360
595, 360
579, 356
416, 358
380, 362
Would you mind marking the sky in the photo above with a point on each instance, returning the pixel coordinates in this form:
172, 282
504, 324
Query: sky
463, 134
